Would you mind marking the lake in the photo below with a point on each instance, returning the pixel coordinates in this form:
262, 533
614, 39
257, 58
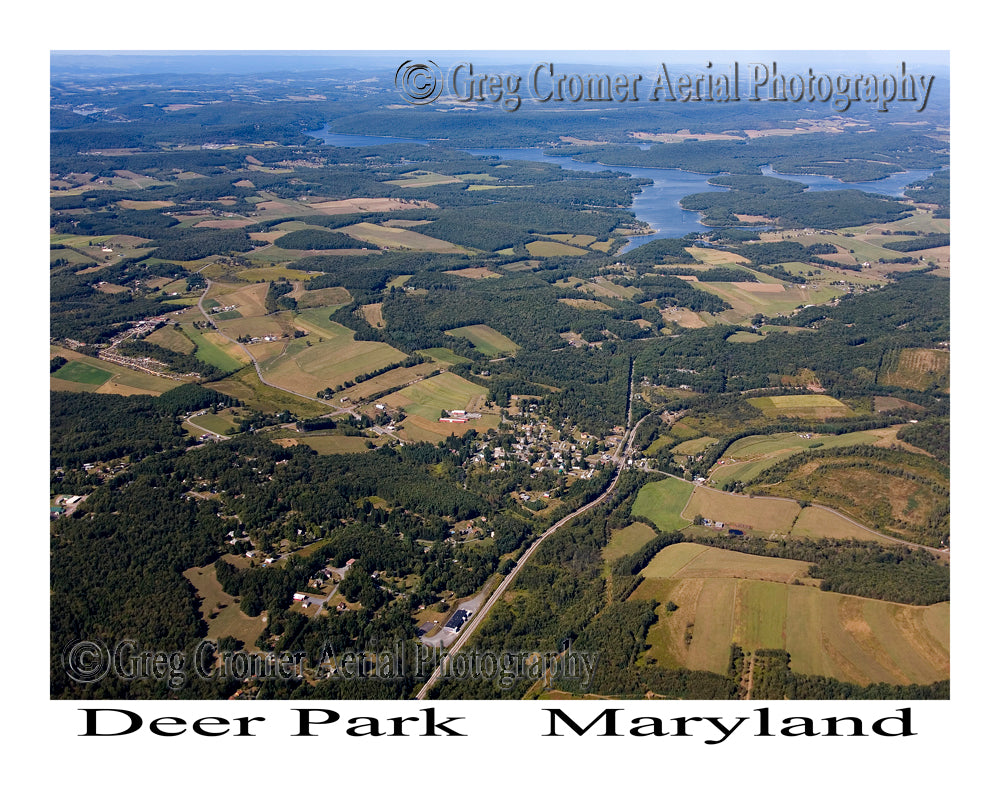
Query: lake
658, 205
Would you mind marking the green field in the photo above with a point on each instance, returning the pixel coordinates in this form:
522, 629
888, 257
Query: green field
662, 502
78, 372
692, 447
443, 354
542, 248
804, 406
209, 351
485, 339
628, 540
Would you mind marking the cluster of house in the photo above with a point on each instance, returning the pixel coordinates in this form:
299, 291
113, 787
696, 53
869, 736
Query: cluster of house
458, 416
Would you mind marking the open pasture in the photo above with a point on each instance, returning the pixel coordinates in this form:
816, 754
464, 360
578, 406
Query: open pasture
485, 339
803, 406
662, 502
475, 273
626, 541
355, 205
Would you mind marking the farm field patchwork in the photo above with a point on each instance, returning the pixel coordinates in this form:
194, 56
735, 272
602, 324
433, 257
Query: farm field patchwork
764, 515
844, 637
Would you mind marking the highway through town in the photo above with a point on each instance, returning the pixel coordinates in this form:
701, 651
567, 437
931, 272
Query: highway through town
473, 624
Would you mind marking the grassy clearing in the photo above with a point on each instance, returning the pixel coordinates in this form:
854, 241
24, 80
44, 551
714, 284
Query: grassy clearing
221, 612
373, 315
475, 273
803, 406
628, 540
543, 248
328, 444
662, 502
764, 515
585, 305
744, 337
485, 339
694, 446
79, 372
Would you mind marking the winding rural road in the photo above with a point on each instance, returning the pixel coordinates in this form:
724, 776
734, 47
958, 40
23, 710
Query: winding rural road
256, 365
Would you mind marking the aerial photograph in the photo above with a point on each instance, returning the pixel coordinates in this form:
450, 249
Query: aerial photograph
499, 375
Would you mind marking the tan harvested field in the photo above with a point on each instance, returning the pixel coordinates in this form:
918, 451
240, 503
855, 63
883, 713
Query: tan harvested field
690, 560
762, 514
684, 317
355, 205
883, 404
848, 638
587, 305
171, 339
821, 523
373, 315
401, 238
707, 255
476, 273
542, 248
248, 299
